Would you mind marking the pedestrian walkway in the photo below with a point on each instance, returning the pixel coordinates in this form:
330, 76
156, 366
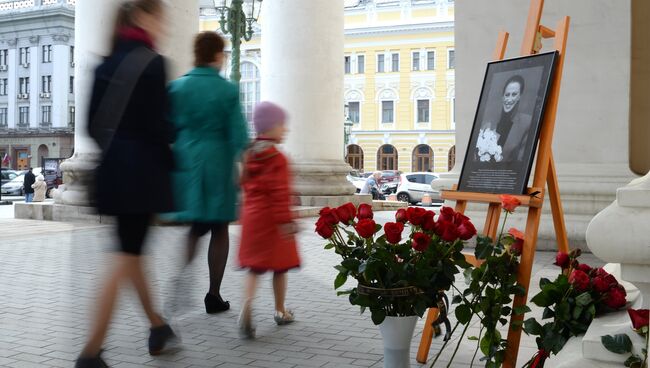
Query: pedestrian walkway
50, 271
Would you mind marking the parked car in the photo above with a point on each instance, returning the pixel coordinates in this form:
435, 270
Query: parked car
357, 181
390, 176
15, 186
8, 175
414, 185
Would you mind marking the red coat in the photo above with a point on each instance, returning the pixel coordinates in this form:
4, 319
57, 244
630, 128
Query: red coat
267, 205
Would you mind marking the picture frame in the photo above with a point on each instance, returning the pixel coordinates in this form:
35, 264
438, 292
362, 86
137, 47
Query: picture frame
507, 123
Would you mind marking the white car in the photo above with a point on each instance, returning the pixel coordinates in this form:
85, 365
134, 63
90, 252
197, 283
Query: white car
357, 181
413, 186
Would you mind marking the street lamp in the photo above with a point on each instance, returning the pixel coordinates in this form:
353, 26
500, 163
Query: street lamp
239, 23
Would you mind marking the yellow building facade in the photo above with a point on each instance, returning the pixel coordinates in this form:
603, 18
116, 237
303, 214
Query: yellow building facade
399, 83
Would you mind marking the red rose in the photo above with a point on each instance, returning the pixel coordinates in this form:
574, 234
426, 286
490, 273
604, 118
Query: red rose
600, 284
615, 298
466, 230
579, 280
518, 246
421, 241
393, 231
329, 215
416, 215
447, 231
459, 218
366, 228
584, 268
639, 317
365, 212
601, 272
562, 260
446, 214
346, 213
324, 229
610, 280
400, 215
429, 223
509, 203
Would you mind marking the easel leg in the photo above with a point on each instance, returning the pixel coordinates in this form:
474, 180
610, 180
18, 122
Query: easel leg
492, 220
427, 336
523, 278
556, 207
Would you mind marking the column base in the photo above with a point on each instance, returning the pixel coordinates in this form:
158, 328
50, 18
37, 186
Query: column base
334, 201
322, 178
78, 175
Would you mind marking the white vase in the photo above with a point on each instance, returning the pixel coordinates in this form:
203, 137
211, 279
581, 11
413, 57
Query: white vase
397, 333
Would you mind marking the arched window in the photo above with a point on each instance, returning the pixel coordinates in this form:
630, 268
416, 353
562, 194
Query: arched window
422, 158
387, 158
249, 90
354, 157
452, 158
43, 152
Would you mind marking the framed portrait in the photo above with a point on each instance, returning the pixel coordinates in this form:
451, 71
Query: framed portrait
506, 126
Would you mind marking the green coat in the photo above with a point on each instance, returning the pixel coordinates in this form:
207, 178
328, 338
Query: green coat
211, 133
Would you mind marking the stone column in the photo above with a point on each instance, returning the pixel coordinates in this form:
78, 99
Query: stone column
302, 71
93, 25
592, 126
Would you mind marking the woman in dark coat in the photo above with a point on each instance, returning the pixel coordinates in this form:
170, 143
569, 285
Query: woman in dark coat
133, 178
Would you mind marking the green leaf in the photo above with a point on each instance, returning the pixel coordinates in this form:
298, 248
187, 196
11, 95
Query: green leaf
577, 311
329, 245
521, 309
463, 313
583, 299
633, 361
619, 344
532, 327
378, 316
472, 338
340, 280
543, 282
457, 299
563, 311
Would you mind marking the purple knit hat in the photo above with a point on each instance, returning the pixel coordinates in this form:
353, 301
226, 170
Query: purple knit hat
267, 116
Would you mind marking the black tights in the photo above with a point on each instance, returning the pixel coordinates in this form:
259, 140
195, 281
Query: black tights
217, 251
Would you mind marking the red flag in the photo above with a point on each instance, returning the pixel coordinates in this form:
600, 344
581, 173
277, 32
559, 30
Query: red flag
6, 160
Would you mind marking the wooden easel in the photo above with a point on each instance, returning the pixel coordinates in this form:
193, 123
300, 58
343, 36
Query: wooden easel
544, 174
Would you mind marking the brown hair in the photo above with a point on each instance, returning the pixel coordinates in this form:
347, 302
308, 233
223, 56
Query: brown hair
206, 46
126, 15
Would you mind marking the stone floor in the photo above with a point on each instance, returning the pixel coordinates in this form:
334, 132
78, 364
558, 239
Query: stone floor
49, 275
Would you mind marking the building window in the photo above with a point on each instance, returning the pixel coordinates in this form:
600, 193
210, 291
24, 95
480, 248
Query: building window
395, 62
3, 86
423, 111
387, 112
71, 55
3, 57
354, 111
24, 85
71, 115
387, 158
422, 158
451, 59
23, 116
361, 64
347, 63
354, 157
431, 60
249, 90
416, 61
46, 115
46, 84
3, 116
380, 63
24, 56
47, 53
451, 160
71, 87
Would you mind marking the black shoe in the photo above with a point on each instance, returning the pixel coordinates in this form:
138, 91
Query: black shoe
214, 304
90, 362
159, 339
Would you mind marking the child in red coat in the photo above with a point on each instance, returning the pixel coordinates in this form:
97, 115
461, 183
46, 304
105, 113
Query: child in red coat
267, 241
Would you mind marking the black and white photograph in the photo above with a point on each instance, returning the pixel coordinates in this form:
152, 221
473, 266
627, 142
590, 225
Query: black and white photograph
504, 136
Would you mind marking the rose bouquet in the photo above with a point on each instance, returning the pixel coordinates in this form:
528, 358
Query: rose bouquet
578, 294
402, 271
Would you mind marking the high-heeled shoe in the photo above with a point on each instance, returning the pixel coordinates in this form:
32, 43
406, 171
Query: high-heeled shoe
214, 304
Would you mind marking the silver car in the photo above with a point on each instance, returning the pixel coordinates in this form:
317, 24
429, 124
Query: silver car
414, 186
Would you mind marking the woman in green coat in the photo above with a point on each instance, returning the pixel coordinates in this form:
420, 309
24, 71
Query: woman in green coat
211, 133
